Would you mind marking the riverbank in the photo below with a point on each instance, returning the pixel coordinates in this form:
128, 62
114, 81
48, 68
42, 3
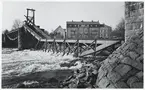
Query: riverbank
86, 76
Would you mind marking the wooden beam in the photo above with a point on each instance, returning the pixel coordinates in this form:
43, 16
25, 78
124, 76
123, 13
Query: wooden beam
74, 46
95, 47
77, 54
54, 46
50, 47
46, 45
37, 44
69, 47
89, 46
64, 46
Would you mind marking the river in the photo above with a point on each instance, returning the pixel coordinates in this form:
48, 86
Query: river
37, 68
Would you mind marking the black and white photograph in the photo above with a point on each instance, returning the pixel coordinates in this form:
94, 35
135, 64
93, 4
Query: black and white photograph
72, 44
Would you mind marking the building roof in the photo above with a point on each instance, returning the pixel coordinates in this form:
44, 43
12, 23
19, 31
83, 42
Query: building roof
58, 28
83, 22
107, 26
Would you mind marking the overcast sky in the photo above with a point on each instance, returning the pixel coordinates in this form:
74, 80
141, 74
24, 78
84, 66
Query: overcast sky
49, 15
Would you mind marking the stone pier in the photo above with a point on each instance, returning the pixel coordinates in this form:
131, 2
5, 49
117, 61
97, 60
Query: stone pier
124, 67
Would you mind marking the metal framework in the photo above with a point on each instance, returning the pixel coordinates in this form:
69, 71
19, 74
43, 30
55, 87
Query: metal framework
30, 19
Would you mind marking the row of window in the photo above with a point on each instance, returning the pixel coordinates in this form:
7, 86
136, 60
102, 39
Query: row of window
87, 25
92, 33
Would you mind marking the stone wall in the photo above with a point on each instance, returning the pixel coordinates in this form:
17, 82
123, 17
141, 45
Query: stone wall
124, 67
134, 16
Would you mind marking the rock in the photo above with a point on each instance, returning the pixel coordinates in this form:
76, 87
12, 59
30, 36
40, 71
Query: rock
131, 80
139, 75
140, 58
113, 59
122, 69
82, 84
95, 72
72, 85
133, 63
111, 86
132, 72
114, 64
97, 63
103, 82
113, 76
101, 73
131, 46
121, 84
21, 85
139, 50
126, 60
92, 79
81, 75
133, 55
137, 85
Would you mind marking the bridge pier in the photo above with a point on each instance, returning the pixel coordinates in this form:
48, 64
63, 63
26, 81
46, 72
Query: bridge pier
78, 47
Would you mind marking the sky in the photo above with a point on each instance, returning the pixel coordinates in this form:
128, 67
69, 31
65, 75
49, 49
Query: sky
49, 15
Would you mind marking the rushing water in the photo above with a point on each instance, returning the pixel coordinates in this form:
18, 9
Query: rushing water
19, 64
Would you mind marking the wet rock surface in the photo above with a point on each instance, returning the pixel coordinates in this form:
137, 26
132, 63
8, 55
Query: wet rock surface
84, 77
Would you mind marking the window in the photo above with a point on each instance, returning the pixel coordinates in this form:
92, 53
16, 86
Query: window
85, 30
83, 25
73, 32
90, 25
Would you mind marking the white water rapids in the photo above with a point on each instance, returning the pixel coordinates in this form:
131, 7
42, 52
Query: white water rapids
19, 63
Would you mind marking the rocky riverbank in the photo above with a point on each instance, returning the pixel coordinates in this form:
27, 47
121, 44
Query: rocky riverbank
84, 77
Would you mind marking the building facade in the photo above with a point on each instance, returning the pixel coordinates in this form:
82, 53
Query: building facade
86, 30
59, 32
105, 32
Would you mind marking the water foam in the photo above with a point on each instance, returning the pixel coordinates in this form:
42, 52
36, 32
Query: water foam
22, 62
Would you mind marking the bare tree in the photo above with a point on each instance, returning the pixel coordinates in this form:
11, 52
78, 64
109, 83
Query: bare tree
121, 25
120, 29
17, 24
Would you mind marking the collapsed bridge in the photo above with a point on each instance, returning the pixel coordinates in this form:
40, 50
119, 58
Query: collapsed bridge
31, 36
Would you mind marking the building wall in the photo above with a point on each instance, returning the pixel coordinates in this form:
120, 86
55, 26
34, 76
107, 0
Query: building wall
105, 32
60, 32
87, 30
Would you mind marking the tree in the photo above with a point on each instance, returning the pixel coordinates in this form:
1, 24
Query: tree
17, 24
119, 31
